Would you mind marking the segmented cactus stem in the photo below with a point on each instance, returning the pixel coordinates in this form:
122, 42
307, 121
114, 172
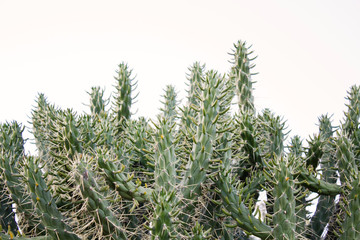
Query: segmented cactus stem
44, 203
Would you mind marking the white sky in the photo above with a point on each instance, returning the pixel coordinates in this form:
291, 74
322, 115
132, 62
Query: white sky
308, 51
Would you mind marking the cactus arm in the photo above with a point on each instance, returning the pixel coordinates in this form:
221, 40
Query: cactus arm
169, 104
124, 88
271, 128
8, 139
314, 152
7, 215
164, 194
165, 158
284, 218
201, 153
240, 75
348, 168
12, 148
198, 232
163, 224
97, 102
314, 184
326, 204
247, 124
122, 183
28, 222
45, 205
296, 151
195, 76
235, 208
138, 136
351, 226
352, 116
98, 206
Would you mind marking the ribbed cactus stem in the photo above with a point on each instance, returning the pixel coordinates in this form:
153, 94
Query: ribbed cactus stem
241, 74
71, 134
272, 128
194, 77
326, 204
44, 203
348, 168
124, 88
88, 136
204, 139
351, 225
169, 102
284, 218
11, 140
190, 110
137, 134
314, 151
28, 221
310, 181
7, 215
165, 158
235, 208
164, 215
212, 218
296, 151
11, 158
97, 204
97, 102
40, 123
249, 138
122, 182
352, 116
164, 196
11, 146
199, 233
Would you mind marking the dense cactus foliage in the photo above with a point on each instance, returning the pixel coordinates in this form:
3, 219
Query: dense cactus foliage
194, 172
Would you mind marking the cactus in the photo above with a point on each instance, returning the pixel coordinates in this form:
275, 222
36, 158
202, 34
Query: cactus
45, 205
195, 172
326, 204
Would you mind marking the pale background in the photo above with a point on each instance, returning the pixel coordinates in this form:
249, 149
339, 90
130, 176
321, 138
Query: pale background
308, 51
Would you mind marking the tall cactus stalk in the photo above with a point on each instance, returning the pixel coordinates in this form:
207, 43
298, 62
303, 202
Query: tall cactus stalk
204, 139
45, 205
124, 88
284, 218
326, 204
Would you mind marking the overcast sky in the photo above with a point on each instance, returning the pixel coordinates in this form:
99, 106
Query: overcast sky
308, 51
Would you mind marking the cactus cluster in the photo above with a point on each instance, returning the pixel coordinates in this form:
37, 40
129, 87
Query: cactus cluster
194, 172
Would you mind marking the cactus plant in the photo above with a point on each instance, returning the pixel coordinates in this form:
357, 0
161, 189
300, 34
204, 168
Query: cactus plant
194, 172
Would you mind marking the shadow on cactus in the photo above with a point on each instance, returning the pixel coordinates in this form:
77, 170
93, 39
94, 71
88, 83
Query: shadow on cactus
194, 172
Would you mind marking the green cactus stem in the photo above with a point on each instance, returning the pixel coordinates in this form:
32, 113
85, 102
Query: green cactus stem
125, 86
164, 197
204, 139
97, 204
122, 183
97, 102
296, 152
235, 208
44, 203
11, 158
284, 218
351, 226
240, 75
326, 204
170, 103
